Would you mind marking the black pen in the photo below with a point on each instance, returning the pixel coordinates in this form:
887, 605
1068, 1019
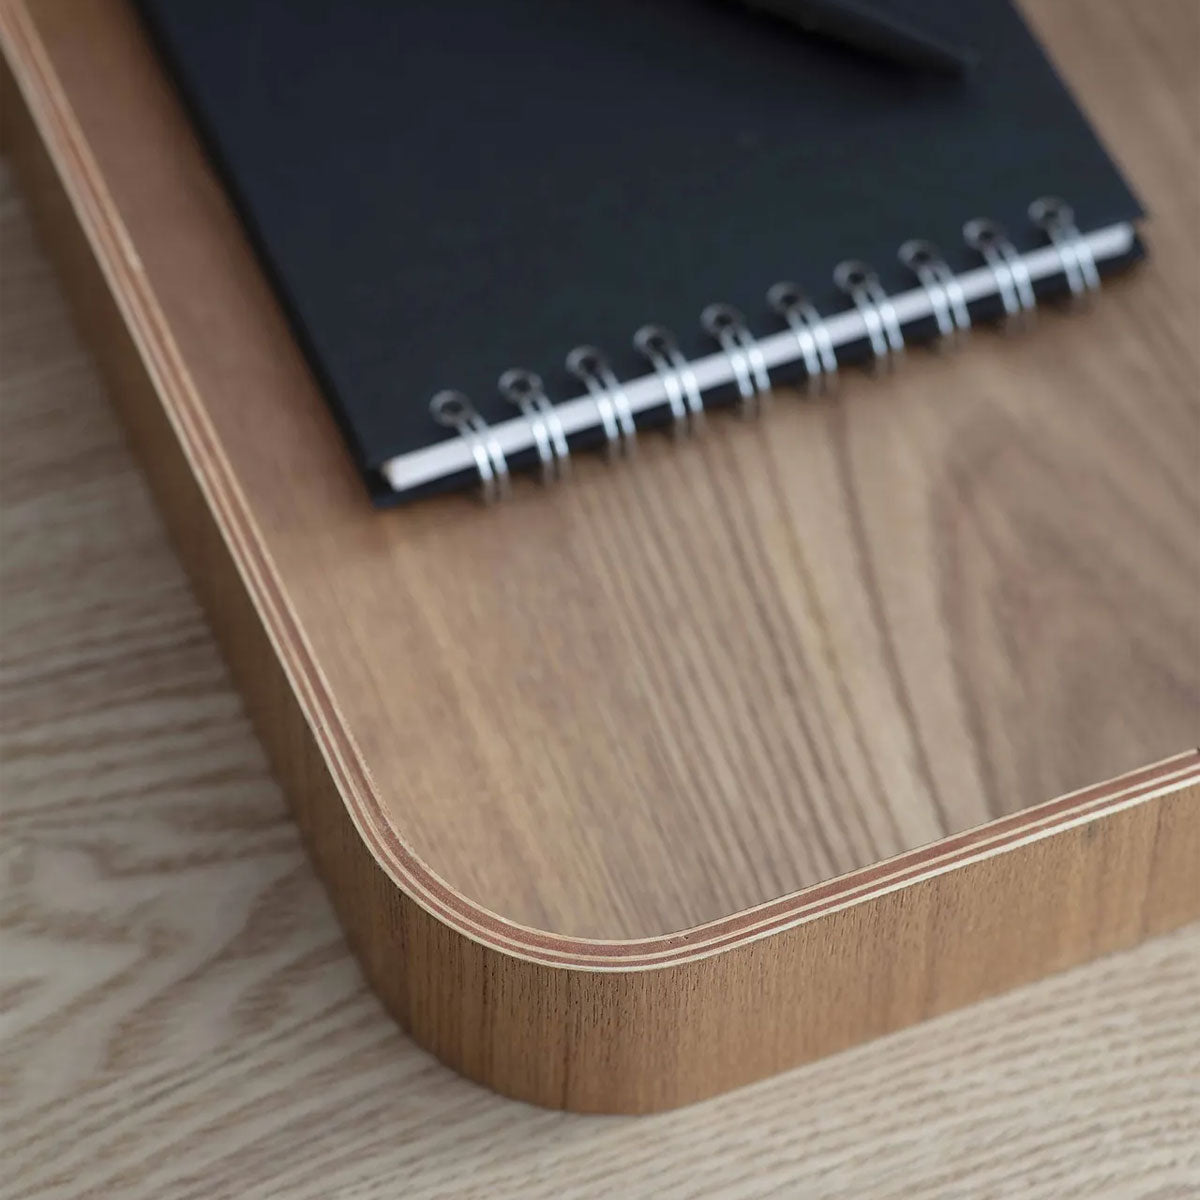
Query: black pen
865, 27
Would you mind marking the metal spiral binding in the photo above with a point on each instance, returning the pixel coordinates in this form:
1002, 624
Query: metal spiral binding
816, 346
862, 285
591, 368
525, 390
727, 327
745, 361
455, 411
679, 380
945, 293
1056, 220
1013, 284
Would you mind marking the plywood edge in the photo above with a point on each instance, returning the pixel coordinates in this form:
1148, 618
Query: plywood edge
597, 1025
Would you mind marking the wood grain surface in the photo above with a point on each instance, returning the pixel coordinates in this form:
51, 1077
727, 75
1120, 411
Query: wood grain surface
732, 670
1131, 585
180, 1018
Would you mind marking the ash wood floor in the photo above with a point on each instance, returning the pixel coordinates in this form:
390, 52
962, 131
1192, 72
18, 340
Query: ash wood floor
180, 1017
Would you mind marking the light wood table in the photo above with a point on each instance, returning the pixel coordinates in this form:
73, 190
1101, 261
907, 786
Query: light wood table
180, 1014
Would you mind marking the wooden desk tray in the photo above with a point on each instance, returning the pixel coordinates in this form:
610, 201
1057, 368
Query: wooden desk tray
718, 761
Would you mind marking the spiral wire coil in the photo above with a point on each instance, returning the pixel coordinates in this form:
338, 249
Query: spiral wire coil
726, 326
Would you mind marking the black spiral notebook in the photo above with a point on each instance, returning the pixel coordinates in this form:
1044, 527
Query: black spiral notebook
567, 223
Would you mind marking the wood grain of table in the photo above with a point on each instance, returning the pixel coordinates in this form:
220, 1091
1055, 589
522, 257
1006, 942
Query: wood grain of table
179, 1014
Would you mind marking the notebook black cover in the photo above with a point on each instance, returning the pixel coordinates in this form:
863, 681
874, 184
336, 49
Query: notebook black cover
444, 189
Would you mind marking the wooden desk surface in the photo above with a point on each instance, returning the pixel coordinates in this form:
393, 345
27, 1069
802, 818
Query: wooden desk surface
180, 1014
